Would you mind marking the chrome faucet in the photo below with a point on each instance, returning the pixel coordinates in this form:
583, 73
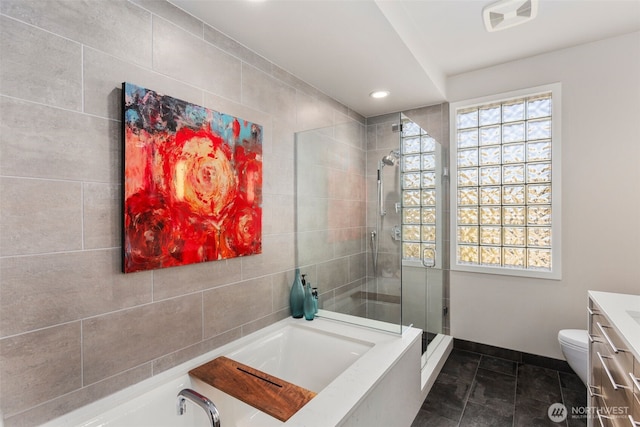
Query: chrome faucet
200, 400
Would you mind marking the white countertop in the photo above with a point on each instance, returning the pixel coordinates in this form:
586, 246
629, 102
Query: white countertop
623, 311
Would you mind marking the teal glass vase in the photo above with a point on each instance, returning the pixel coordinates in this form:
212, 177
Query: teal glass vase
309, 306
296, 296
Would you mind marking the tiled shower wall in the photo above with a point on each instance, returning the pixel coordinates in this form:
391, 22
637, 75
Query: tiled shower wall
73, 328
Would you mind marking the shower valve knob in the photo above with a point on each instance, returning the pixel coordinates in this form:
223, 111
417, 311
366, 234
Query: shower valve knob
396, 233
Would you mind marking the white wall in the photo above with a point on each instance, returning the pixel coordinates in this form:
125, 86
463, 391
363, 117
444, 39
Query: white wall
600, 197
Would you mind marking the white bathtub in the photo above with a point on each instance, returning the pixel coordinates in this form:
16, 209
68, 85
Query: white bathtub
308, 357
363, 377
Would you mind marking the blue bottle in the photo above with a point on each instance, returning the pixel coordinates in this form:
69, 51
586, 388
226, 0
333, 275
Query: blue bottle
309, 306
296, 296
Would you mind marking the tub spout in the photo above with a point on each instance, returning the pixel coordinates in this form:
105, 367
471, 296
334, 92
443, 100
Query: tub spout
200, 400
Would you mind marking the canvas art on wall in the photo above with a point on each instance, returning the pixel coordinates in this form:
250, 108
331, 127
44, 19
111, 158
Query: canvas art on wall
192, 183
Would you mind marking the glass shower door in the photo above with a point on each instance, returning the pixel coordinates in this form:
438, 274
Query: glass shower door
423, 220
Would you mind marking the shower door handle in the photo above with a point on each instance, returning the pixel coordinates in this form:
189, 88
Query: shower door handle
429, 257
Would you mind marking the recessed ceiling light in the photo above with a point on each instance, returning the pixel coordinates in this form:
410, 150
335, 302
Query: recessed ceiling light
379, 94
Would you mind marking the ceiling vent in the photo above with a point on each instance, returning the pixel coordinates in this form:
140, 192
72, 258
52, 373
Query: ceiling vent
508, 13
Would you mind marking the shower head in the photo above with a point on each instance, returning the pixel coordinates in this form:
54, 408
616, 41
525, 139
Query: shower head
391, 158
389, 161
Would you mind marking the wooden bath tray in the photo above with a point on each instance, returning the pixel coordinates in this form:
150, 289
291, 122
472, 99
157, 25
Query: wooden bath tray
270, 394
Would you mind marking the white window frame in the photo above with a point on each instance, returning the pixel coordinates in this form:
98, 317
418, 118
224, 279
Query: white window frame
556, 183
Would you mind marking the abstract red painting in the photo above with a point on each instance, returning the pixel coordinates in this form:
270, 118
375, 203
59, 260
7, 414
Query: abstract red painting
192, 183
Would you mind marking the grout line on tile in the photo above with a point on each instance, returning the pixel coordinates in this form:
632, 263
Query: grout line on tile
515, 395
468, 394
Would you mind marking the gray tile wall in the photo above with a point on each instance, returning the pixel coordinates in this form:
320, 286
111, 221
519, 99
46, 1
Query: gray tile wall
73, 328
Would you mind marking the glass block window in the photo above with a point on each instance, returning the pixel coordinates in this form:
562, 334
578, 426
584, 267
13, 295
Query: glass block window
504, 169
418, 178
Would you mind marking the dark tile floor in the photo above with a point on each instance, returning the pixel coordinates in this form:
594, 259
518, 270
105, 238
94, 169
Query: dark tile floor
477, 390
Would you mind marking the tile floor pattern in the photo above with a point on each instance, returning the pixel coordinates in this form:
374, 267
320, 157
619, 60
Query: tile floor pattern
477, 390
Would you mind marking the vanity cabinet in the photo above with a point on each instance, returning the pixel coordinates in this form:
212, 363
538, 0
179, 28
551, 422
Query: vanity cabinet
614, 372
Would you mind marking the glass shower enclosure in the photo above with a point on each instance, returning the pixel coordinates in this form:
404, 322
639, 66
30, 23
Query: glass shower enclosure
371, 232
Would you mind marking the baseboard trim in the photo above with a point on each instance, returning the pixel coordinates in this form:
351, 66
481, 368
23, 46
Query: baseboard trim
513, 355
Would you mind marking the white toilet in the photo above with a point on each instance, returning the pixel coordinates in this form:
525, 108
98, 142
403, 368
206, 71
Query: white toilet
575, 347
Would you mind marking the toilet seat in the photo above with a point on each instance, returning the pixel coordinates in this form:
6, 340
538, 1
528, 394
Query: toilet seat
577, 338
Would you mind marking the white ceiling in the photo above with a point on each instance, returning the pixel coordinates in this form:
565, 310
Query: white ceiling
349, 48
